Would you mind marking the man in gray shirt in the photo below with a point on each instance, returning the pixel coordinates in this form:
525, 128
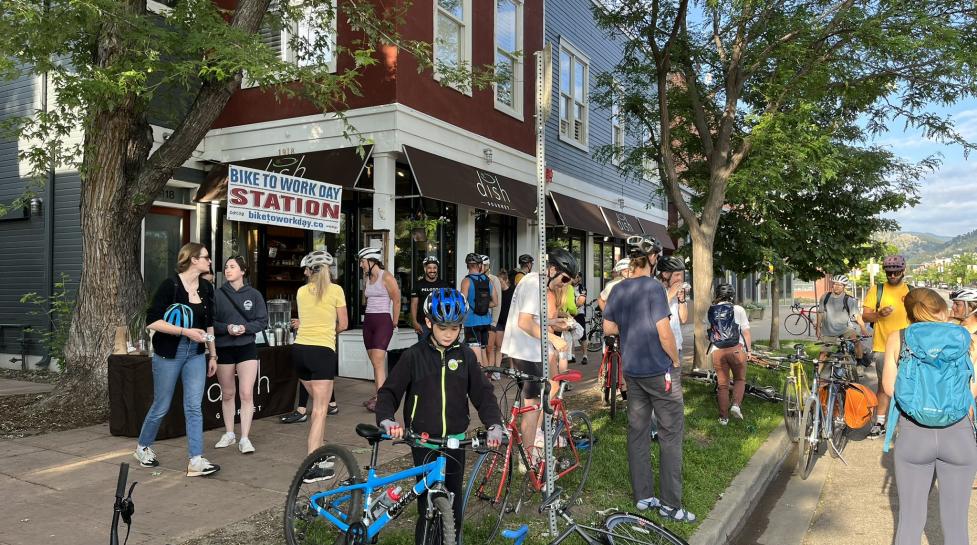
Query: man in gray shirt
838, 314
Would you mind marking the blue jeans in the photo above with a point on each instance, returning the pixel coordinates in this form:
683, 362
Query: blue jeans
191, 368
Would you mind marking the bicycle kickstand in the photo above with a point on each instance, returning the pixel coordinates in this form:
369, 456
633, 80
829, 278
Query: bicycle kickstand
837, 452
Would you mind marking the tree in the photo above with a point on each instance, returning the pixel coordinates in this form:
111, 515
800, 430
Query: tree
705, 80
109, 62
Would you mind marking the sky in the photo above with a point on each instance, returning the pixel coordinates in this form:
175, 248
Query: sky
948, 196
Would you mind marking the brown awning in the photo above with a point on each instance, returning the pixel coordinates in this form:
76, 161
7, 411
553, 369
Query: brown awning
451, 181
622, 225
340, 166
580, 215
658, 231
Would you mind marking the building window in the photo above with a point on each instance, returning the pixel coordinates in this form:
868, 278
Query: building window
617, 129
319, 43
452, 36
508, 56
574, 86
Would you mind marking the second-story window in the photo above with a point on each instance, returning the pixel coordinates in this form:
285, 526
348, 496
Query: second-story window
316, 30
617, 129
452, 34
508, 56
574, 84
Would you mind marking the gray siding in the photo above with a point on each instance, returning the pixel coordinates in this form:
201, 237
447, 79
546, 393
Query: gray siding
573, 21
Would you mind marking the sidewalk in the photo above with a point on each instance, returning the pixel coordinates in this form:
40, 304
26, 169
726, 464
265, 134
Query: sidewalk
10, 387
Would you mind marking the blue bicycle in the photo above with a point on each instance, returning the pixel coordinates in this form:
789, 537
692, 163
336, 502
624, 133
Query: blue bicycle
329, 501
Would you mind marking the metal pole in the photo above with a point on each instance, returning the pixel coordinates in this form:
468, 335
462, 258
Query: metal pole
541, 92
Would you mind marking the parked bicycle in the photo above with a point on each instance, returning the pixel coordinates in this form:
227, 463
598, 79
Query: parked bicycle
494, 490
801, 321
344, 504
619, 528
795, 389
823, 421
610, 376
709, 377
595, 328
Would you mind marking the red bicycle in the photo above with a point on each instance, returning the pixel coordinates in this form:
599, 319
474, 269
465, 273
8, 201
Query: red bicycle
611, 376
492, 492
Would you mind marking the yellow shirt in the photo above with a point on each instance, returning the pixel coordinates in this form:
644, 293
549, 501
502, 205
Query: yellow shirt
317, 318
891, 296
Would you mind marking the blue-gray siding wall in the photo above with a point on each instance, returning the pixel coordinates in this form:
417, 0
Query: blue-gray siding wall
573, 20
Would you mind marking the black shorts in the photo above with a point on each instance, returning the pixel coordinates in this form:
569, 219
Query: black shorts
315, 362
229, 355
582, 320
530, 390
477, 335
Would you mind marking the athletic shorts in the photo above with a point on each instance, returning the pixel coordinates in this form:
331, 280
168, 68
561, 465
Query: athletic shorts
378, 328
315, 362
477, 335
582, 320
530, 390
229, 355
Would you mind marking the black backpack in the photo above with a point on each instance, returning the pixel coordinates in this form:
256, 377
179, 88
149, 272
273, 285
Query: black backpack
724, 332
483, 294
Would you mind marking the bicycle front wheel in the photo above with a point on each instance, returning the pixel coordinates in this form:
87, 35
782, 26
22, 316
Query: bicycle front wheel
595, 340
327, 468
440, 528
629, 529
486, 498
573, 450
792, 409
807, 445
796, 324
839, 429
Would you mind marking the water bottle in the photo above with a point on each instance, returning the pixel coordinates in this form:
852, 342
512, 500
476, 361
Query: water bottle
386, 500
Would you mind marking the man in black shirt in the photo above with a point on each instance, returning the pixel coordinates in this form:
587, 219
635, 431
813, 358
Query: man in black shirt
422, 288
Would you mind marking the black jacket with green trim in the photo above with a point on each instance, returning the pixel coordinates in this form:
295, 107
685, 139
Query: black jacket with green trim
437, 384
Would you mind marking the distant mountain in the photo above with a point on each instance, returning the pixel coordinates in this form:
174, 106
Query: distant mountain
958, 244
915, 246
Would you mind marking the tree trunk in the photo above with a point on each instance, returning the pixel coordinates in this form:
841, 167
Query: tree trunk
702, 276
775, 313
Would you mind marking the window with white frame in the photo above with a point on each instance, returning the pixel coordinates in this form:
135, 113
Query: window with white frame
574, 85
617, 129
452, 34
508, 56
321, 41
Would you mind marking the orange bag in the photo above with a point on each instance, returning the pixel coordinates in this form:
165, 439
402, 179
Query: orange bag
860, 404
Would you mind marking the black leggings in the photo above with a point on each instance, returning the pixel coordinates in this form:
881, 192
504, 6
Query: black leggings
453, 481
304, 396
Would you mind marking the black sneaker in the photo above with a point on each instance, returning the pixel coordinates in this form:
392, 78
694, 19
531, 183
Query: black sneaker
333, 409
293, 417
878, 430
583, 361
322, 471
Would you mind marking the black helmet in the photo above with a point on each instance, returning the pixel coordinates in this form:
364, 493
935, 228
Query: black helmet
526, 259
430, 259
671, 263
563, 261
725, 292
473, 259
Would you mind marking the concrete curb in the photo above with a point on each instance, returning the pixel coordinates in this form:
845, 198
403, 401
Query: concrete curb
734, 508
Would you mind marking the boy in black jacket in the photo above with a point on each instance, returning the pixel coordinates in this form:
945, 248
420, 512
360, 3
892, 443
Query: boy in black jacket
440, 375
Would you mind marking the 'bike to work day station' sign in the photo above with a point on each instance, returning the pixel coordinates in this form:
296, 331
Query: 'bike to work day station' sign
275, 198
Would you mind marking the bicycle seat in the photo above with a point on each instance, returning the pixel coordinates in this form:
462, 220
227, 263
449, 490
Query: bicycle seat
517, 536
551, 499
798, 346
570, 376
369, 432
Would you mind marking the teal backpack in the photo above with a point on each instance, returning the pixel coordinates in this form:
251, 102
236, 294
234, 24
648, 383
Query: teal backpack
933, 384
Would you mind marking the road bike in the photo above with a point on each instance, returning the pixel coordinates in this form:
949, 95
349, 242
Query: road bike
342, 504
610, 376
845, 350
801, 321
494, 490
795, 389
595, 328
823, 421
709, 377
619, 528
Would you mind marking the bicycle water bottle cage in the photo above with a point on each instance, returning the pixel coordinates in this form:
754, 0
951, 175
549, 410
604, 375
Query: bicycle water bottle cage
517, 536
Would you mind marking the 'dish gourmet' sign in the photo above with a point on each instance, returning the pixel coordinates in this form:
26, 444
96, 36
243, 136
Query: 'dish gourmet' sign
277, 198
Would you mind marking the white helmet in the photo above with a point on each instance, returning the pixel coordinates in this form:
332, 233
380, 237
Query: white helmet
318, 258
622, 265
966, 295
841, 279
370, 253
486, 260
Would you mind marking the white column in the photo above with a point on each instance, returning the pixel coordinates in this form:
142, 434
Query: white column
384, 180
588, 275
525, 238
465, 238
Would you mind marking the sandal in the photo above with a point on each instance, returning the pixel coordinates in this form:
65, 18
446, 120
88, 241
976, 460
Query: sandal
676, 514
648, 503
333, 409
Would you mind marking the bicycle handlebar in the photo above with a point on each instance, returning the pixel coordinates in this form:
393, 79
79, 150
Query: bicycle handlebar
422, 438
519, 375
120, 486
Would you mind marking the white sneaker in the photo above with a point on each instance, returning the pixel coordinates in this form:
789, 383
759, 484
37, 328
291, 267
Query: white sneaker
320, 472
146, 456
736, 411
245, 446
226, 440
201, 467
723, 421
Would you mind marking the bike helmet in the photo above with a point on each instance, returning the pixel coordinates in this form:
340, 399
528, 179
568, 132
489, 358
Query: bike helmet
370, 253
473, 259
179, 315
318, 259
643, 246
671, 263
966, 295
622, 265
725, 292
486, 260
563, 261
446, 306
526, 259
429, 260
894, 263
841, 279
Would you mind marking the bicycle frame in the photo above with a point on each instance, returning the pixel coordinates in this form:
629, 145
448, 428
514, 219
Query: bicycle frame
433, 479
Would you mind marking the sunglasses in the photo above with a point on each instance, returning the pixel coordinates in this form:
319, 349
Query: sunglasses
565, 278
894, 273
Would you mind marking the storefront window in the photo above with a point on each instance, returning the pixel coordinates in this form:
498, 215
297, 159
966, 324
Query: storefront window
167, 229
570, 240
423, 227
495, 236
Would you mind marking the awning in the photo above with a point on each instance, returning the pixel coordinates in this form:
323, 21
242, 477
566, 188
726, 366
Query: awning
658, 231
340, 166
623, 225
451, 181
580, 215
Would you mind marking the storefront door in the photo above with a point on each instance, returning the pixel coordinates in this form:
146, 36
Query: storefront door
495, 236
167, 229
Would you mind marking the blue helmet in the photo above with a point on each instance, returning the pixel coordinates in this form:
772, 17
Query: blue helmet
446, 306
